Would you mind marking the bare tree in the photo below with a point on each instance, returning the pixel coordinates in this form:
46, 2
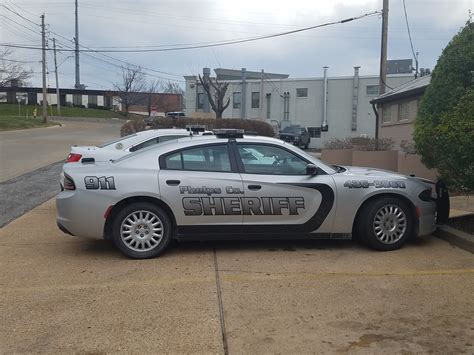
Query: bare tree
10, 70
215, 91
172, 88
153, 87
132, 87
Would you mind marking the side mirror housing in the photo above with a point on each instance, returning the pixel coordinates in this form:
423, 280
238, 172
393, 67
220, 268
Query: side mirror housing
311, 169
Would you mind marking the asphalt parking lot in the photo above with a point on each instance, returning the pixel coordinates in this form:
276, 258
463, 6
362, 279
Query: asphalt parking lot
65, 294
23, 151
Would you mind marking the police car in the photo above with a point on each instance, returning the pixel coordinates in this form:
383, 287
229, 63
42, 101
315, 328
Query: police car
229, 186
124, 145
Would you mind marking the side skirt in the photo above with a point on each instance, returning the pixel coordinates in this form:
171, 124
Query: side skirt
263, 236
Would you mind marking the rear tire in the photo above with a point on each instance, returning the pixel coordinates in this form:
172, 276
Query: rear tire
142, 230
385, 224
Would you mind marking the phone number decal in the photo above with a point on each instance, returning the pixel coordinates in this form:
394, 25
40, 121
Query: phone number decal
378, 184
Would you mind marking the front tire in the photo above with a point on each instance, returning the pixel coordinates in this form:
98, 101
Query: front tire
142, 230
385, 224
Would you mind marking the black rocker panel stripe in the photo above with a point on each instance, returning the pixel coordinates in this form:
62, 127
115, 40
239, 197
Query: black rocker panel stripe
327, 201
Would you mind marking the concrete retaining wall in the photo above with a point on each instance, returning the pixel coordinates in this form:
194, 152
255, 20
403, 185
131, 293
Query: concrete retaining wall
406, 164
387, 160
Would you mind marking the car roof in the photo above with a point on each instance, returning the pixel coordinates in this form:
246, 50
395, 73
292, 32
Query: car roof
139, 137
160, 132
152, 152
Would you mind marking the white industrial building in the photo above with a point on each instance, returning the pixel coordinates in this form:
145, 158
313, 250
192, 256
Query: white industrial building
285, 101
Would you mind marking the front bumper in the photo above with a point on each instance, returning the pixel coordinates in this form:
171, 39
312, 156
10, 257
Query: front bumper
434, 212
442, 203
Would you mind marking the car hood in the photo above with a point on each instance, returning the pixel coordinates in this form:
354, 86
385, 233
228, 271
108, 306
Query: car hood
380, 173
371, 172
290, 134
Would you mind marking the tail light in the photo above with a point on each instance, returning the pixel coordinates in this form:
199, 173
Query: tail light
73, 157
69, 183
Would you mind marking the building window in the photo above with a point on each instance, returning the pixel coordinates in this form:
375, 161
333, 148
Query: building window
255, 99
386, 114
404, 111
371, 90
236, 100
92, 101
200, 101
269, 101
302, 92
77, 100
314, 132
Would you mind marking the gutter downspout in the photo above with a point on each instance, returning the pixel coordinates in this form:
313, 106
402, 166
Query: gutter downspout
376, 121
206, 78
324, 124
355, 98
243, 94
261, 102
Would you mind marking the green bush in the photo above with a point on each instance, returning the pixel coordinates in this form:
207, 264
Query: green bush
131, 127
360, 143
444, 125
338, 143
260, 127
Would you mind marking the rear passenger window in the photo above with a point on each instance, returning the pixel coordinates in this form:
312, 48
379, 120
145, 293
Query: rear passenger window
207, 158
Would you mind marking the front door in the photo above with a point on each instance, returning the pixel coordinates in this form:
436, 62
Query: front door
203, 189
279, 195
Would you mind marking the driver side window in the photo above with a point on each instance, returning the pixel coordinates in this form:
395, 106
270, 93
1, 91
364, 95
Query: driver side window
270, 160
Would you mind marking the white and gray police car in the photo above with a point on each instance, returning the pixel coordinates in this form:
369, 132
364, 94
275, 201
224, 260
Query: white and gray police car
230, 186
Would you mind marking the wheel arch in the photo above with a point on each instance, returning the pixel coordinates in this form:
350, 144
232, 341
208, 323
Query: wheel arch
381, 195
133, 199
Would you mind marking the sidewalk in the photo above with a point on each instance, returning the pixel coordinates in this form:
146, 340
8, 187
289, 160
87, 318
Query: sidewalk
461, 205
458, 230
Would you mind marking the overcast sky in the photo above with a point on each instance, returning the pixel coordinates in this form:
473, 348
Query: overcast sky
128, 23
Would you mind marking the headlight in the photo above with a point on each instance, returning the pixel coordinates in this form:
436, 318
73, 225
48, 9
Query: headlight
425, 195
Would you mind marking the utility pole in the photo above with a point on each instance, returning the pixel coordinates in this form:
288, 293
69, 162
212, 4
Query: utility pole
45, 99
58, 101
383, 49
76, 40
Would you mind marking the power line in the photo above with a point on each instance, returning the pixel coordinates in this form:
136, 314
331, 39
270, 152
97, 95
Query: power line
19, 61
91, 50
66, 48
19, 24
23, 17
409, 34
223, 43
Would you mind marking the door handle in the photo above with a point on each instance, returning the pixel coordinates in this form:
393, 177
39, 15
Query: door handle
173, 182
254, 187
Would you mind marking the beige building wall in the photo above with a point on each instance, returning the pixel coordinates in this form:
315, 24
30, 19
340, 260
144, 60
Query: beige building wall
397, 119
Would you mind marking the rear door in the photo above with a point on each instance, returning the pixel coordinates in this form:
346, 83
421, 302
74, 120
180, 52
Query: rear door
279, 196
203, 188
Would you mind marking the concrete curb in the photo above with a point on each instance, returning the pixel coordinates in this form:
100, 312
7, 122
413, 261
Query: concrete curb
456, 237
89, 119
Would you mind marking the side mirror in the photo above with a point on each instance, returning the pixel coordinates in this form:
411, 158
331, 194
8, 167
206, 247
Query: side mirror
311, 169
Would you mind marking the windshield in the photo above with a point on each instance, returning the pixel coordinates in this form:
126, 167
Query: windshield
327, 167
146, 149
116, 140
296, 130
